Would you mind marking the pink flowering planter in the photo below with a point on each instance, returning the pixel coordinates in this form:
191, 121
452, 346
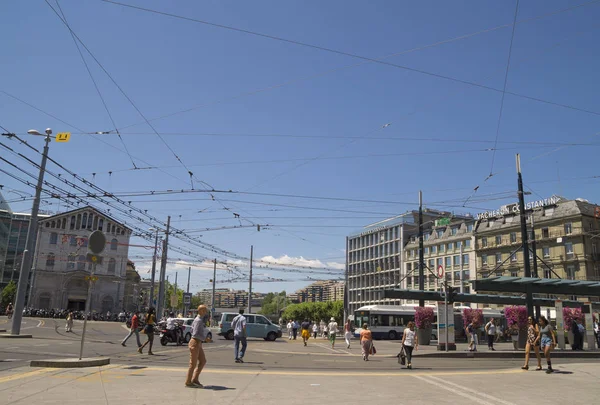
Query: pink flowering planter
516, 319
424, 317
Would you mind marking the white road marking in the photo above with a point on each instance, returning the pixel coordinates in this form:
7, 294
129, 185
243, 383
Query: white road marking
324, 346
12, 348
42, 345
462, 388
428, 380
67, 343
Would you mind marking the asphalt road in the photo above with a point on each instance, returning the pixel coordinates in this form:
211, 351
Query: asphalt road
103, 339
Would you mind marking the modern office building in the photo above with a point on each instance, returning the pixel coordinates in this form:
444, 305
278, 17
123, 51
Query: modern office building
449, 252
13, 236
61, 264
376, 256
567, 235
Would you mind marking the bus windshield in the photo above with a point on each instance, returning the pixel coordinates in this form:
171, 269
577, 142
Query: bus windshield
360, 318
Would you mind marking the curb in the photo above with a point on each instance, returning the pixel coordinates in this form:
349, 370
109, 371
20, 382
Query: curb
508, 355
9, 336
71, 363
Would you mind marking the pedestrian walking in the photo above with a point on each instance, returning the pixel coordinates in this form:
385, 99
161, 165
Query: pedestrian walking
305, 331
197, 357
547, 341
69, 325
290, 328
295, 327
581, 329
239, 335
575, 331
366, 341
315, 329
597, 330
532, 342
333, 329
149, 331
348, 333
134, 329
490, 331
410, 341
472, 333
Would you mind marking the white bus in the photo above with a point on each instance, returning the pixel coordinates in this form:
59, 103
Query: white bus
386, 321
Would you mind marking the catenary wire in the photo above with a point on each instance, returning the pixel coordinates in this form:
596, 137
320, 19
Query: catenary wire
420, 71
87, 68
512, 37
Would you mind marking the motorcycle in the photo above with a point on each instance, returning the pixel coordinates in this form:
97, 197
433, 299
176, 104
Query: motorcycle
167, 336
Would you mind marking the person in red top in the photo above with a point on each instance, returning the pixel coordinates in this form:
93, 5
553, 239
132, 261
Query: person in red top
135, 325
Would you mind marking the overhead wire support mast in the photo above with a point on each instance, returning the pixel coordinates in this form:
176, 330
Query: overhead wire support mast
421, 253
30, 243
524, 238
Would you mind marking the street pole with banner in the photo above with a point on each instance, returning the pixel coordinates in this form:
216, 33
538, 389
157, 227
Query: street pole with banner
560, 325
589, 325
96, 245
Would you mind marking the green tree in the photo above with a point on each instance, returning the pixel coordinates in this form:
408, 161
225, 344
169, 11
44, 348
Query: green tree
8, 294
315, 311
273, 303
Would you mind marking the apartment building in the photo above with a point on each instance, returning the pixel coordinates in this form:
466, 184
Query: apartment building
448, 250
567, 235
320, 291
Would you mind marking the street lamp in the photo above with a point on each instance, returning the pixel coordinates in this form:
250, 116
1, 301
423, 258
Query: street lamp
31, 239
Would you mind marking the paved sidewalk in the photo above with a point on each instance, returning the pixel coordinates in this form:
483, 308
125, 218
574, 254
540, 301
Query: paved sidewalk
119, 384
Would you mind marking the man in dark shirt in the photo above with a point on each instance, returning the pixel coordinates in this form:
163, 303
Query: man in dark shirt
305, 331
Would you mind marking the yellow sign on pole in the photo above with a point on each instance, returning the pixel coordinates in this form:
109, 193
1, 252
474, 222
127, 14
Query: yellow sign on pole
63, 137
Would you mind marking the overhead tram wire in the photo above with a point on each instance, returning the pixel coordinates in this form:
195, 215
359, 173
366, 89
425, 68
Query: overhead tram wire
329, 71
175, 231
123, 92
365, 58
99, 139
93, 81
371, 155
512, 37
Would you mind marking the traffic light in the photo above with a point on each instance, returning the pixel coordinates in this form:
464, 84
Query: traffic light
452, 292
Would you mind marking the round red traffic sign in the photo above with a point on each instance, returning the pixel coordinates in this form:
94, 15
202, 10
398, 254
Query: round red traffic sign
440, 271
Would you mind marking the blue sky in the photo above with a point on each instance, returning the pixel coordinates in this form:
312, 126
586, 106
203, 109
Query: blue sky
275, 117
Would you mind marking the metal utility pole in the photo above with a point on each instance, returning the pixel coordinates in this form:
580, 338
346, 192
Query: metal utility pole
421, 253
186, 307
250, 283
346, 298
163, 270
538, 310
88, 308
29, 242
214, 280
524, 238
151, 303
175, 284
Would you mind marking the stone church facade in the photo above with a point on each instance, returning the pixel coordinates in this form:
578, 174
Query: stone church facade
61, 264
